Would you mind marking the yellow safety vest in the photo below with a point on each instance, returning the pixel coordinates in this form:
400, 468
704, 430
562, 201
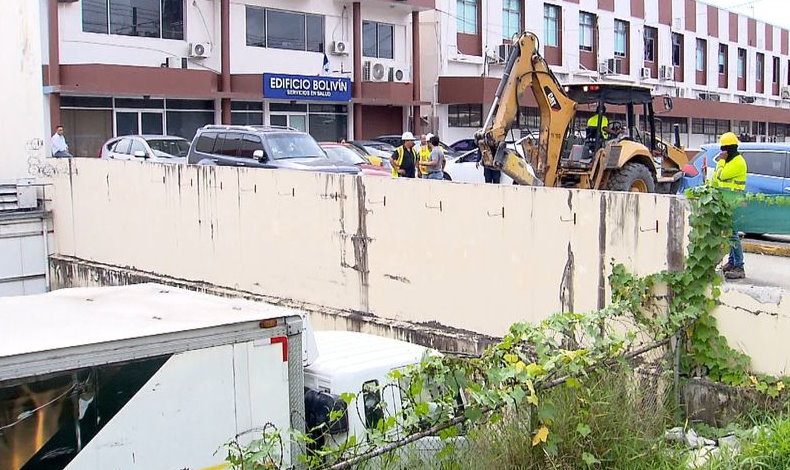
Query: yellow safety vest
425, 156
397, 162
730, 175
593, 122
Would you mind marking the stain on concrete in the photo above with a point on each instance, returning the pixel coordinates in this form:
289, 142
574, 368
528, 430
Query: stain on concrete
762, 294
676, 232
566, 286
398, 278
601, 303
360, 240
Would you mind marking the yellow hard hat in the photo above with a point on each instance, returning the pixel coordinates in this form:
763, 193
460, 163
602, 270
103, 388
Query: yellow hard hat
728, 138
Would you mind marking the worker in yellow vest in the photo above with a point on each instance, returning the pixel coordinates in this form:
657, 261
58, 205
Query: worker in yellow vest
593, 122
404, 158
730, 175
424, 155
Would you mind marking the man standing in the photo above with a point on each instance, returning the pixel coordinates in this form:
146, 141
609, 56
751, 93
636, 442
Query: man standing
433, 167
404, 158
424, 154
730, 175
490, 175
59, 146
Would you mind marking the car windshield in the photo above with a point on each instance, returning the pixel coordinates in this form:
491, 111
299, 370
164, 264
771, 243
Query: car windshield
169, 147
293, 145
340, 155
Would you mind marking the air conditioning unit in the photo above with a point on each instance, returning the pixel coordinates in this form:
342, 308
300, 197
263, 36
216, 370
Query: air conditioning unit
504, 51
374, 72
603, 67
645, 72
176, 62
666, 72
680, 92
747, 99
340, 48
399, 74
710, 96
786, 93
199, 50
616, 65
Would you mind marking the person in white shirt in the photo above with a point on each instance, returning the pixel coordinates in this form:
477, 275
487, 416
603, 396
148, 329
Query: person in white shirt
59, 146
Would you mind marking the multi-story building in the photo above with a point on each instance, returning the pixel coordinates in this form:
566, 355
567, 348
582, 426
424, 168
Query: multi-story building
724, 71
335, 68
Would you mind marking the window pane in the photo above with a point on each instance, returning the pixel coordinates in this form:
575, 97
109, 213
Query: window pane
94, 16
700, 55
285, 30
460, 24
476, 116
328, 127
135, 17
205, 144
229, 145
765, 163
139, 103
246, 118
620, 38
315, 33
207, 105
677, 49
288, 107
173, 19
551, 20
471, 16
137, 146
256, 34
278, 120
87, 130
186, 123
248, 145
741, 63
385, 41
152, 123
368, 39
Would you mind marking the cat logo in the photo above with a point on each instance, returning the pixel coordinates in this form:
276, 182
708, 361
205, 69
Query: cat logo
555, 105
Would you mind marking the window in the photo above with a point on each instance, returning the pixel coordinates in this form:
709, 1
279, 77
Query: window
248, 145
281, 29
146, 18
246, 113
137, 146
586, 28
465, 115
701, 50
511, 18
620, 38
741, 63
776, 70
466, 14
650, 44
677, 49
722, 59
205, 143
760, 63
766, 163
551, 24
371, 397
722, 126
377, 40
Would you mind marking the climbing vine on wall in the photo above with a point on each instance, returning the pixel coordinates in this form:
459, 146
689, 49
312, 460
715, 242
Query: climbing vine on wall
559, 351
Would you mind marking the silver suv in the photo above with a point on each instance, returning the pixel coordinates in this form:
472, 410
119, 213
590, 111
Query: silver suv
260, 147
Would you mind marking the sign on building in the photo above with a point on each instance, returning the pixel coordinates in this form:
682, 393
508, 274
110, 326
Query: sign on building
307, 88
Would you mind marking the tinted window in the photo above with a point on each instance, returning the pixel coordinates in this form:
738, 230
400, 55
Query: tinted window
256, 34
385, 39
137, 146
293, 145
205, 142
94, 16
368, 39
228, 144
173, 19
248, 145
172, 147
135, 17
123, 146
371, 395
766, 163
315, 33
285, 30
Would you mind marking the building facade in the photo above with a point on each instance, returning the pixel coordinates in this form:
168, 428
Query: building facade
724, 71
337, 69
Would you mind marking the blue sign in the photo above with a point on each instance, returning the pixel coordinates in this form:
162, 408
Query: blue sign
302, 87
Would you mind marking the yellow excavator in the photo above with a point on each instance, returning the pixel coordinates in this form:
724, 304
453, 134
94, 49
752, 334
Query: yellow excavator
563, 156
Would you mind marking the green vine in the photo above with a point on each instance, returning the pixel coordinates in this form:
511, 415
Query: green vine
559, 351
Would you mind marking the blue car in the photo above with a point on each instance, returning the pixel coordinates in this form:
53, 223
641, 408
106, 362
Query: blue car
769, 173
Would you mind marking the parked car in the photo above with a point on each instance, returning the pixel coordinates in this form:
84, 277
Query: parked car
152, 148
347, 154
261, 147
374, 147
463, 145
769, 174
464, 169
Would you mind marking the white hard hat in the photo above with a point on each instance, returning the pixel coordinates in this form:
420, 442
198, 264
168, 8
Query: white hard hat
428, 136
407, 136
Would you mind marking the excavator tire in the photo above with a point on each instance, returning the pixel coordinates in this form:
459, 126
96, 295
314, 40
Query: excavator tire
632, 177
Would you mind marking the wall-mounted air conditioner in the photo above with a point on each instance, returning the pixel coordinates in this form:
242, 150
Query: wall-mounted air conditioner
340, 48
199, 50
176, 62
645, 72
666, 72
786, 93
504, 51
680, 92
709, 96
373, 71
399, 74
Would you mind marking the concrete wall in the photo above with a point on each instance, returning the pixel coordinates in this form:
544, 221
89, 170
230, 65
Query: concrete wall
22, 104
472, 257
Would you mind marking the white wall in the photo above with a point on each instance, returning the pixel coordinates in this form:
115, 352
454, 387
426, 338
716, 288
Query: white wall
22, 102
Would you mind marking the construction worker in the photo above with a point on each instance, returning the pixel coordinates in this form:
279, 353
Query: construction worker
424, 155
730, 175
404, 158
592, 124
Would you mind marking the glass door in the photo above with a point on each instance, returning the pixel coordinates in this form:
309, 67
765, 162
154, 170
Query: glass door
126, 123
152, 123
297, 121
135, 122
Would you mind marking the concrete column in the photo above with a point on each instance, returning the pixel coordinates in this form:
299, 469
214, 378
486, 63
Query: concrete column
224, 9
357, 86
415, 70
53, 69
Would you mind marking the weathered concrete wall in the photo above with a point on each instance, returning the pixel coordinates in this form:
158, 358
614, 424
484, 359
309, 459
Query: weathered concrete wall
477, 258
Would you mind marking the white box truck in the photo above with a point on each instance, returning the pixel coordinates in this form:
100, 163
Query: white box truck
143, 377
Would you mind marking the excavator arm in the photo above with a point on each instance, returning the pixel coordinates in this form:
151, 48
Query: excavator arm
527, 68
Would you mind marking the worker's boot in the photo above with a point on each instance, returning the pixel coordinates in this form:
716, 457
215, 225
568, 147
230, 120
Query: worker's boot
737, 272
727, 267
